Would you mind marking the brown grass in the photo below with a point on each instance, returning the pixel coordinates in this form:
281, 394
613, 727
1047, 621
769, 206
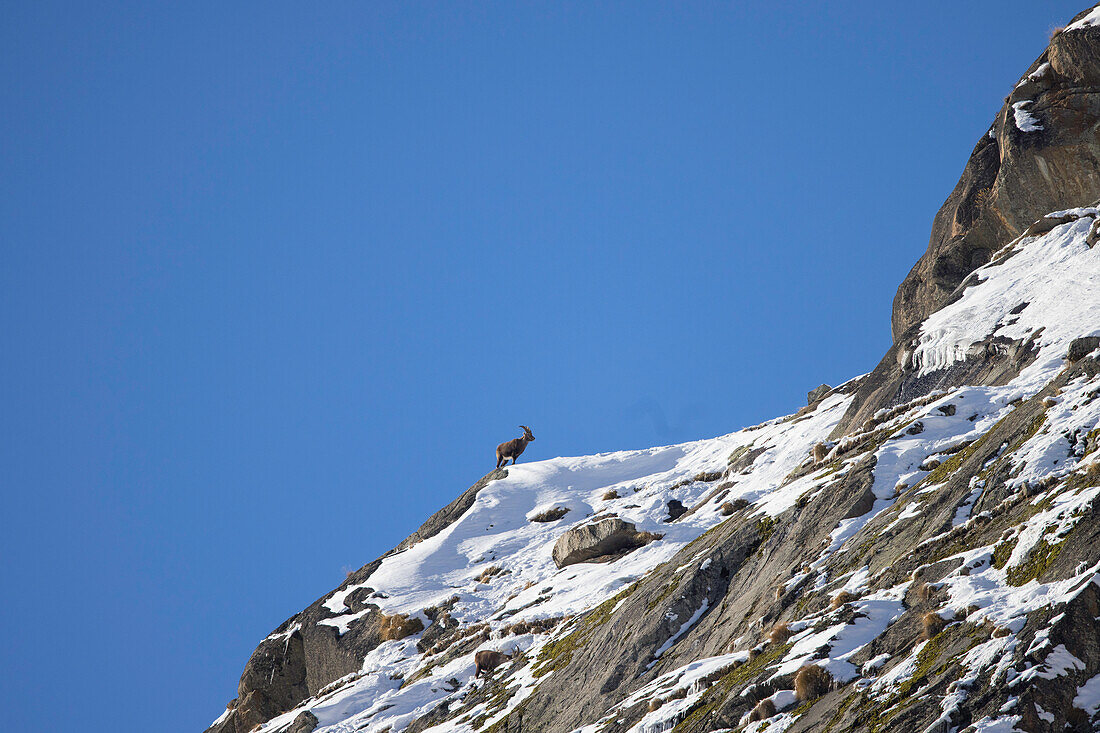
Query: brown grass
488, 573
811, 682
841, 598
609, 495
926, 591
779, 633
398, 626
708, 476
727, 509
763, 710
551, 515
1000, 632
932, 623
1056, 30
655, 704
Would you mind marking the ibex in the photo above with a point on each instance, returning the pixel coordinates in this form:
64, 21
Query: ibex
486, 660
514, 447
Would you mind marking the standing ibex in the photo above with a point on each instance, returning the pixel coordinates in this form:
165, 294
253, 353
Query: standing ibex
486, 660
513, 448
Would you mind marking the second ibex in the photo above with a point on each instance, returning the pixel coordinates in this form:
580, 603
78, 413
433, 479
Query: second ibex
512, 448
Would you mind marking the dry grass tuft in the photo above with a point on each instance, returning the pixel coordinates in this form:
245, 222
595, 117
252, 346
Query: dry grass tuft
609, 495
1056, 31
932, 623
655, 704
1000, 632
763, 710
488, 573
398, 626
926, 591
841, 598
708, 476
727, 509
551, 515
811, 682
779, 633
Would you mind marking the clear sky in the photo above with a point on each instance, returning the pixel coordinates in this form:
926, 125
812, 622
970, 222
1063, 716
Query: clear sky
278, 277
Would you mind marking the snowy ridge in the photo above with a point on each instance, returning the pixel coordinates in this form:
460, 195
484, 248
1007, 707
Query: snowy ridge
1045, 289
497, 532
1055, 278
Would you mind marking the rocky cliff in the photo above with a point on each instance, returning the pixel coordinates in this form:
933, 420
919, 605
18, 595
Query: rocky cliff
917, 549
1041, 154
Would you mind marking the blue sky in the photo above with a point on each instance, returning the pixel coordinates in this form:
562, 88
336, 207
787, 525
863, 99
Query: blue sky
277, 278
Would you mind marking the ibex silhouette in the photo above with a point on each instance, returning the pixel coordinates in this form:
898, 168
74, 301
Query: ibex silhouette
486, 660
514, 447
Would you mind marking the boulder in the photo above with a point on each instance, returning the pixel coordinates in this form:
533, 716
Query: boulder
600, 541
817, 393
1079, 348
304, 723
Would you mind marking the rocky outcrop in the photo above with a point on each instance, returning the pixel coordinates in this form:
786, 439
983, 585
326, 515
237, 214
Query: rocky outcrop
1081, 347
1041, 154
601, 541
305, 653
817, 393
844, 544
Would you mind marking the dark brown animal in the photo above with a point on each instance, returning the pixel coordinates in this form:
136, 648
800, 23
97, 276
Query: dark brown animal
513, 448
486, 660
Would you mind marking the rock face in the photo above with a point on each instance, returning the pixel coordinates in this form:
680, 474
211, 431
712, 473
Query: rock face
1041, 154
940, 561
598, 542
1082, 347
304, 655
817, 393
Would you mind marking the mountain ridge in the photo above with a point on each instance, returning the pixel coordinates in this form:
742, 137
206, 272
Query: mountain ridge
927, 552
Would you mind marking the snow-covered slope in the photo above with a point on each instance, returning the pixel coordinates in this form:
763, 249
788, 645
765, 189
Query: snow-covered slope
493, 570
497, 532
938, 569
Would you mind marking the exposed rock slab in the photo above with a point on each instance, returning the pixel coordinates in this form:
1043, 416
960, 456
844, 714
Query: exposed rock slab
599, 541
1041, 154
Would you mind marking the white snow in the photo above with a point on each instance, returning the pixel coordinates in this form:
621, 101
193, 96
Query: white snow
1093, 18
1025, 121
1058, 277
1088, 696
1041, 272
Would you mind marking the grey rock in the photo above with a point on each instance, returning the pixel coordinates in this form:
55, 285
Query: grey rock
1079, 348
599, 541
285, 670
304, 723
817, 393
676, 509
1014, 177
